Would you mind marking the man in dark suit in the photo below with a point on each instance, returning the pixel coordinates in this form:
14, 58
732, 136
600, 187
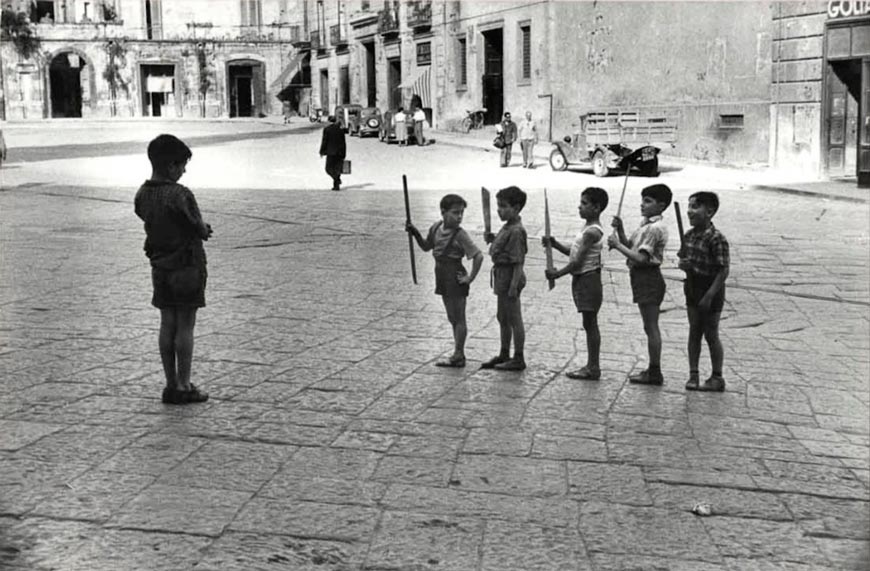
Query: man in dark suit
333, 147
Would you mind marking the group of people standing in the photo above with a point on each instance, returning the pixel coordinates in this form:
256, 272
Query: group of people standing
508, 132
417, 117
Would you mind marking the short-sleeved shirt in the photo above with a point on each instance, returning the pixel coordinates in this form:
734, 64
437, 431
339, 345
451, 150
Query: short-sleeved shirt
592, 260
419, 115
510, 244
172, 224
400, 117
651, 237
442, 245
706, 250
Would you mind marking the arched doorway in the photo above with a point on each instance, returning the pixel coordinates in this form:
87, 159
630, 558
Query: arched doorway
68, 77
246, 88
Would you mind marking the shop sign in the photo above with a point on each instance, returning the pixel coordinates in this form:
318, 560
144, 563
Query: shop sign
838, 9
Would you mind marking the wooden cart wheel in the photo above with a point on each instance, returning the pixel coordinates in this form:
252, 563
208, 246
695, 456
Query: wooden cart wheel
599, 165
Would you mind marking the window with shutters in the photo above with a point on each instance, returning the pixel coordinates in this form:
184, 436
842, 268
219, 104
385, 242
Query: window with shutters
461, 63
153, 20
525, 53
251, 12
424, 53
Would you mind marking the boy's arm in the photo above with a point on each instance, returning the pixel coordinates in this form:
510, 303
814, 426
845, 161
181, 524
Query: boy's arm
715, 287
191, 212
515, 279
589, 238
476, 264
425, 244
560, 247
620, 230
641, 258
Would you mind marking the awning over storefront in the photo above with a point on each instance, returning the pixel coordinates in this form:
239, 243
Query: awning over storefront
420, 84
289, 70
159, 84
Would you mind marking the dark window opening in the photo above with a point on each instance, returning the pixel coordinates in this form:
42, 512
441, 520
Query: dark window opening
731, 121
424, 53
526, 50
461, 63
43, 12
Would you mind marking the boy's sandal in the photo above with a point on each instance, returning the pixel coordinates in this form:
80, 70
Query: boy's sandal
692, 384
713, 385
511, 365
452, 362
493, 362
584, 374
194, 395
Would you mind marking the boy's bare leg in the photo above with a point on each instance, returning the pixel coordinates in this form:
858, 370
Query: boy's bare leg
649, 312
593, 339
515, 318
166, 343
186, 320
711, 334
456, 315
696, 333
505, 333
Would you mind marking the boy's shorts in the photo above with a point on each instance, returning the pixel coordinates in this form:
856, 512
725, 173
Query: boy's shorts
696, 285
181, 287
501, 279
446, 272
647, 285
586, 289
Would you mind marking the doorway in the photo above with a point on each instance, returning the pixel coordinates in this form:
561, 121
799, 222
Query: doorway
158, 94
65, 84
246, 88
493, 75
324, 91
371, 81
843, 83
394, 79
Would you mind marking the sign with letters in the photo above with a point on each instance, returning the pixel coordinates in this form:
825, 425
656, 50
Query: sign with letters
839, 9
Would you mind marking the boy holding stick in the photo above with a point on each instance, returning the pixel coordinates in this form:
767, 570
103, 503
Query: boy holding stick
644, 252
704, 256
584, 265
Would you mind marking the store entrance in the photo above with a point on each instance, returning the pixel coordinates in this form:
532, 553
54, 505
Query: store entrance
844, 91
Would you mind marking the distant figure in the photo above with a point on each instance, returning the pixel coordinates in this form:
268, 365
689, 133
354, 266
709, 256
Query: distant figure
174, 232
509, 133
2, 148
333, 147
528, 133
401, 127
419, 117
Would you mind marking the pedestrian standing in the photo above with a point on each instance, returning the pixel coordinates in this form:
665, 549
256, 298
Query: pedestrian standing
706, 260
449, 243
401, 128
528, 133
508, 250
644, 252
509, 132
174, 232
584, 265
333, 147
419, 118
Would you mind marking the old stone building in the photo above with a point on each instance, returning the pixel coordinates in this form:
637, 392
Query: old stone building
132, 58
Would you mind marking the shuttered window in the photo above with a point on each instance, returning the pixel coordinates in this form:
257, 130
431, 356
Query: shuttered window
251, 13
525, 52
461, 63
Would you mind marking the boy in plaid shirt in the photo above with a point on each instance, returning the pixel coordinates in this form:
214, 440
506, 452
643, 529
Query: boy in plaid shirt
705, 258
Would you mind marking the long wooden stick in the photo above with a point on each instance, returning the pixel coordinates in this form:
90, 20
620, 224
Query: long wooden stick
410, 238
548, 248
682, 237
624, 186
487, 217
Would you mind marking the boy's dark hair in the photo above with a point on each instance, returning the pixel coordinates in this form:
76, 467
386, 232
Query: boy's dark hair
513, 196
451, 200
166, 150
708, 199
658, 192
597, 196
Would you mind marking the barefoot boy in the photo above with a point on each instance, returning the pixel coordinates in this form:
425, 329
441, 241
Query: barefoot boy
705, 259
644, 252
174, 233
449, 243
584, 264
508, 251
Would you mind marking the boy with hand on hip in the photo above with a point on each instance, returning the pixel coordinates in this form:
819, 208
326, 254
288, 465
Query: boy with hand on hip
174, 233
706, 260
584, 264
449, 243
508, 251
644, 252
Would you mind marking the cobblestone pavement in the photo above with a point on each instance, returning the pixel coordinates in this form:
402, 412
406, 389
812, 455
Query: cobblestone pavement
333, 443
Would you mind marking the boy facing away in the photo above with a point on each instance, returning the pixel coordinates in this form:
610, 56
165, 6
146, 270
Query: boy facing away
449, 243
508, 251
644, 252
584, 265
706, 260
174, 233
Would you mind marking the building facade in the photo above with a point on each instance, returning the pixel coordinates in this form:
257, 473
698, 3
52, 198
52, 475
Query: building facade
150, 58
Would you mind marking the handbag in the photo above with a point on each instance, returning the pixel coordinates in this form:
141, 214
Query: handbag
345, 167
498, 142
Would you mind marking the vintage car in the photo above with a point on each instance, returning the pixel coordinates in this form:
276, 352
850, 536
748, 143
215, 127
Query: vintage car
387, 132
608, 140
347, 115
368, 122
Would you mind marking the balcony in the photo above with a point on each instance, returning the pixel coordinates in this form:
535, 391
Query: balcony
420, 14
363, 17
388, 20
337, 35
298, 38
314, 39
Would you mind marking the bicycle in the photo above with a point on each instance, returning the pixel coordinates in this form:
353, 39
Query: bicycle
473, 120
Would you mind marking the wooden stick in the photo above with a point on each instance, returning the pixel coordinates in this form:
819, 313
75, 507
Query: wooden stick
410, 238
548, 249
680, 230
487, 220
624, 186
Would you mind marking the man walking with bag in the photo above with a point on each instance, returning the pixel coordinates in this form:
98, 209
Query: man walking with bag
334, 148
509, 132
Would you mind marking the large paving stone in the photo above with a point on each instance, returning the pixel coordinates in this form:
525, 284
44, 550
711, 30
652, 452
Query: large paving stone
259, 552
589, 481
15, 435
510, 475
414, 470
511, 545
94, 496
723, 501
316, 520
128, 549
39, 544
763, 540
